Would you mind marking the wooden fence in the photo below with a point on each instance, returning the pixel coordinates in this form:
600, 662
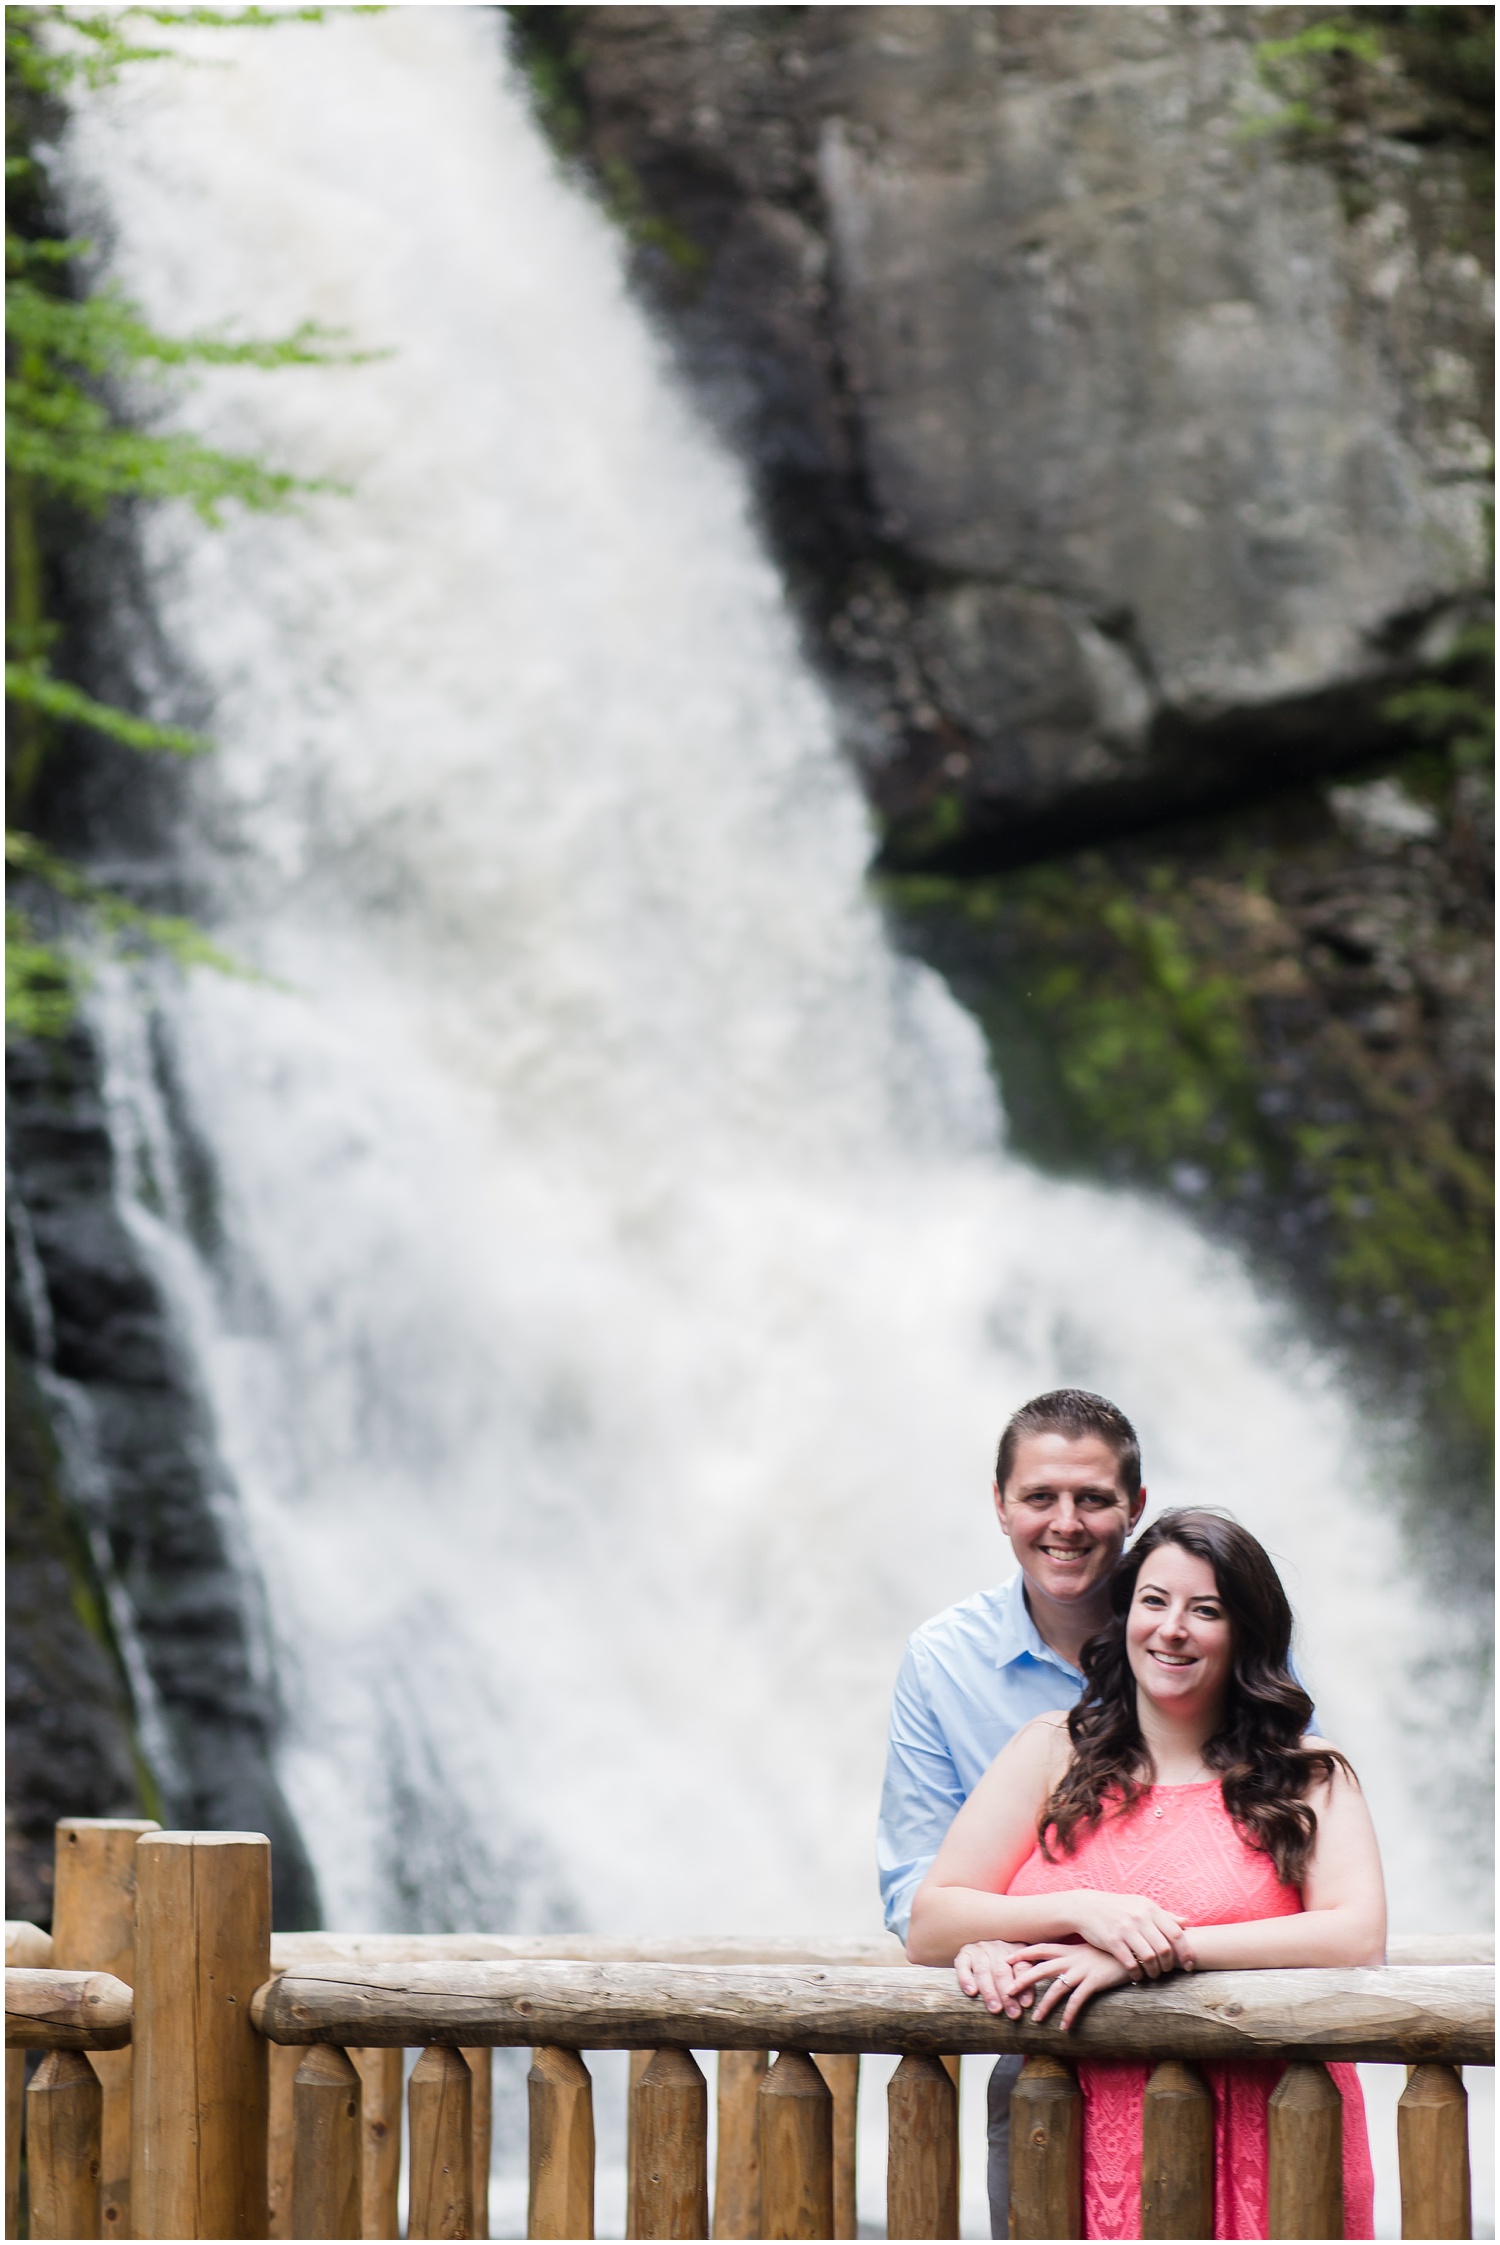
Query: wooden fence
248, 2085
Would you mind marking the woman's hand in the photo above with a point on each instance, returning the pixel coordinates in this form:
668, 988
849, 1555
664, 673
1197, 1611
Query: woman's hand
984, 1970
1075, 1972
1136, 1932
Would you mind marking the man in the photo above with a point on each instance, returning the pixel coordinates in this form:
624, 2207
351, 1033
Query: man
1067, 1493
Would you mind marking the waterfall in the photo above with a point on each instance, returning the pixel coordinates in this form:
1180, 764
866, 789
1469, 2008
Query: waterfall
615, 1276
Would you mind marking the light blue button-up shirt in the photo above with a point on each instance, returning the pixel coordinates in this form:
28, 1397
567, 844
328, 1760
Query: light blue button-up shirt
971, 1677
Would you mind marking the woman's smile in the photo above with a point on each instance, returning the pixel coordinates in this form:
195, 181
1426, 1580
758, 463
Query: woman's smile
1178, 1636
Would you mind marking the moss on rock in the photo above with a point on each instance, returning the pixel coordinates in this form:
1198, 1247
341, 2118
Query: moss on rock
1279, 1019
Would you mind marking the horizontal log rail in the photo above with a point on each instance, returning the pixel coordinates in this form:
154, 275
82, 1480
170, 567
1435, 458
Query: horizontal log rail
26, 1944
47, 2010
291, 1950
1440, 1948
1385, 2015
336, 2010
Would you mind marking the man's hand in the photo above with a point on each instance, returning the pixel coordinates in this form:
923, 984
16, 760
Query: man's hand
984, 1969
1075, 1972
1138, 1933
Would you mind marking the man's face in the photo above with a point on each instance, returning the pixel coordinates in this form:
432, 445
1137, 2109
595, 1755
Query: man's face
1065, 1510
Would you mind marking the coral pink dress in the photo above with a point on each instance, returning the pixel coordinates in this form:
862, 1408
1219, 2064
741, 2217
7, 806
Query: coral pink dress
1178, 1845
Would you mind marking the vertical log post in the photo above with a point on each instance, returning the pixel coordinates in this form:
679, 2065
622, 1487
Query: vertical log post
922, 2167
481, 2066
560, 2111
1432, 2139
282, 2060
737, 2166
93, 1930
639, 2061
200, 2085
671, 2157
24, 1945
1046, 2151
841, 2072
954, 2066
1177, 2153
440, 2107
796, 2149
380, 2079
15, 2100
64, 2111
326, 2161
1306, 2122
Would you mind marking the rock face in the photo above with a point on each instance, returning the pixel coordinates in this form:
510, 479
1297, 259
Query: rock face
1130, 455
1115, 383
135, 1679
70, 1733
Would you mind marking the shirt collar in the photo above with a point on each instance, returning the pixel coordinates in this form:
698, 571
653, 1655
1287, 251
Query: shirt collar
1017, 1634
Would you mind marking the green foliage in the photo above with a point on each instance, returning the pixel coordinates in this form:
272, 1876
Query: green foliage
179, 938
41, 985
1410, 1233
1155, 1057
1300, 71
66, 433
29, 683
1419, 72
1137, 1049
103, 48
1454, 707
1151, 1018
78, 370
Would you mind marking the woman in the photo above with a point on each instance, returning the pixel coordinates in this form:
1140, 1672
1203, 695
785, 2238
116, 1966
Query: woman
1177, 1816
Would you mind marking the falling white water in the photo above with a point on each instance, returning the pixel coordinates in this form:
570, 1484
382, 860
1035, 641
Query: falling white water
618, 1277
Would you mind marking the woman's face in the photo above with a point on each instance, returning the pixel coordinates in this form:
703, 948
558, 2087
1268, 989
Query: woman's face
1177, 1634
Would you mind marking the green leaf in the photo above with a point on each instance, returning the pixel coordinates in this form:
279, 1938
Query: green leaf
66, 441
32, 683
41, 985
106, 47
181, 939
106, 334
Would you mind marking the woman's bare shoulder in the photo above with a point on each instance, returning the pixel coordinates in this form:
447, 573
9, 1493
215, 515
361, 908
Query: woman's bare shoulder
1046, 1737
1314, 1743
1028, 1765
1342, 1773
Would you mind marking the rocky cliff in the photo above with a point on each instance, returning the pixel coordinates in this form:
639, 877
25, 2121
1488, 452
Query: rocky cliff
1115, 385
137, 1681
1132, 451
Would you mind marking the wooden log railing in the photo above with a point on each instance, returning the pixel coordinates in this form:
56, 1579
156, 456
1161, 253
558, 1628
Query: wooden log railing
262, 2067
93, 1929
1441, 2017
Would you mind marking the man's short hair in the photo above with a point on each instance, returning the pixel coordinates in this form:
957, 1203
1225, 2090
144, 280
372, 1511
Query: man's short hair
1072, 1412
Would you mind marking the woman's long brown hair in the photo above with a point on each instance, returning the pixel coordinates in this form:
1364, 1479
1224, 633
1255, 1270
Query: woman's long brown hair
1264, 1769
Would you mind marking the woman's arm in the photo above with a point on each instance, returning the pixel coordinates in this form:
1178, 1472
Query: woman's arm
963, 1899
1343, 1921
